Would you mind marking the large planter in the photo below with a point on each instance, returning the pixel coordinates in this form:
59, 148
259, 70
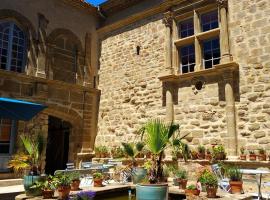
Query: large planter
182, 183
236, 187
138, 174
152, 192
28, 182
192, 192
75, 185
47, 194
211, 191
63, 192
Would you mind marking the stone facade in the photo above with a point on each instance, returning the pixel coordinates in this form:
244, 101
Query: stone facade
129, 82
60, 71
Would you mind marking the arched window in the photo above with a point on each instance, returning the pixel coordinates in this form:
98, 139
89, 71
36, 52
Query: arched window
12, 47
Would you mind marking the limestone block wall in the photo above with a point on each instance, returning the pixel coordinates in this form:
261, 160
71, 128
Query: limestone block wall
131, 92
201, 115
249, 28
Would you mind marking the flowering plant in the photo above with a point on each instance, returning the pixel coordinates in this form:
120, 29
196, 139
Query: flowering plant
85, 195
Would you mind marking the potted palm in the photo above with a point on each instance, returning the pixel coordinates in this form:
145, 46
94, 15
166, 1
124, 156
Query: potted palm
243, 156
98, 179
157, 137
235, 177
201, 152
63, 182
261, 155
29, 160
192, 190
181, 178
75, 181
211, 183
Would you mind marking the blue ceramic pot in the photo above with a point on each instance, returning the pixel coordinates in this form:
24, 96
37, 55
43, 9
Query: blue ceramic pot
152, 192
138, 175
28, 182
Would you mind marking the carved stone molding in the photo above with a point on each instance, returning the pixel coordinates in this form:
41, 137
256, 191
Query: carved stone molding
168, 19
222, 3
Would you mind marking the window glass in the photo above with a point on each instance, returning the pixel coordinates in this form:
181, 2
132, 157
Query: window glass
186, 28
211, 52
209, 21
12, 47
187, 58
5, 135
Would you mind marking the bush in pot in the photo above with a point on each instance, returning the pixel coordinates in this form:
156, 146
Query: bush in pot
157, 137
235, 176
98, 179
261, 155
29, 159
211, 182
117, 152
47, 187
181, 177
219, 153
252, 155
201, 152
192, 190
63, 182
75, 181
243, 156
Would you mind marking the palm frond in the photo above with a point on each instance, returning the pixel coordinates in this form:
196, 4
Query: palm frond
128, 148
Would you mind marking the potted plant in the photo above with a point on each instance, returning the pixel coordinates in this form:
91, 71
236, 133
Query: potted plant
243, 156
157, 136
63, 182
208, 155
97, 152
29, 159
211, 183
192, 190
104, 152
75, 181
181, 178
235, 176
194, 155
117, 152
219, 153
201, 152
98, 178
262, 155
132, 150
252, 155
47, 187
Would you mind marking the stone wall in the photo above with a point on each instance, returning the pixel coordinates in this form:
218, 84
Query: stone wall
131, 90
249, 26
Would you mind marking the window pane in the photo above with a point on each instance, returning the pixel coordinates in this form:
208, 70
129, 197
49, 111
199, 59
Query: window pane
187, 58
4, 148
211, 52
186, 28
5, 135
209, 21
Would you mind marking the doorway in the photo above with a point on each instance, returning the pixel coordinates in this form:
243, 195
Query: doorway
57, 145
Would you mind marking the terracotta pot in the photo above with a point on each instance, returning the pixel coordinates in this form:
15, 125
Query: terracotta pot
252, 157
47, 194
182, 183
211, 191
236, 187
208, 156
63, 192
98, 182
262, 157
220, 156
201, 156
75, 185
194, 156
243, 157
192, 192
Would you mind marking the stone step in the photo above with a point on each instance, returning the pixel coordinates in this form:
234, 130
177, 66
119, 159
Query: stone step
11, 182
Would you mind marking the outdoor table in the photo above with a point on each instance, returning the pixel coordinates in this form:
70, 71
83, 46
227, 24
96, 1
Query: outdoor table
256, 172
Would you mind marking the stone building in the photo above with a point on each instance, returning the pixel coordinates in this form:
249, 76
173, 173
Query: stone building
204, 64
48, 55
105, 71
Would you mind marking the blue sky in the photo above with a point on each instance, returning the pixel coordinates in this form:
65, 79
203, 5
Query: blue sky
95, 2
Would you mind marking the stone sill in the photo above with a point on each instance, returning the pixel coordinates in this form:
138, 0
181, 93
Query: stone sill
216, 70
55, 83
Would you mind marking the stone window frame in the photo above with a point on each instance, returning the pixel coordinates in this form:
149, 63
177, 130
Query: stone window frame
200, 36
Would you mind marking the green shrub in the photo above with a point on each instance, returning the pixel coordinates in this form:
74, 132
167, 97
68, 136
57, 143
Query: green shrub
181, 174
